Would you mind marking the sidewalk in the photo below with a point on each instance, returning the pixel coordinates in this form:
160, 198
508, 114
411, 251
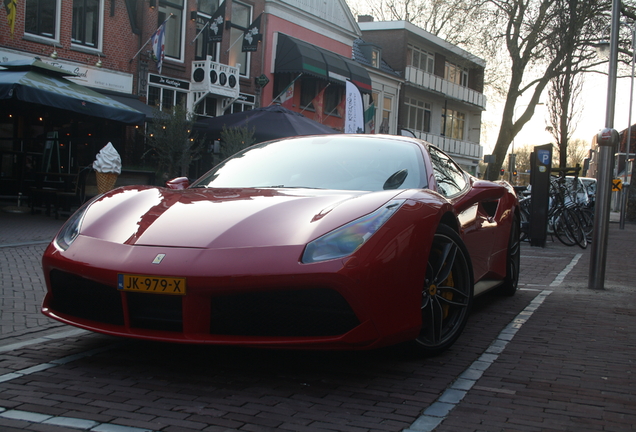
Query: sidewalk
572, 365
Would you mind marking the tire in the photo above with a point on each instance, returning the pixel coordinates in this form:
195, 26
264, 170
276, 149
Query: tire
513, 261
447, 294
562, 229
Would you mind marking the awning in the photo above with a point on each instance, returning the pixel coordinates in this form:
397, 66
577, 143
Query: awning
39, 83
134, 103
296, 56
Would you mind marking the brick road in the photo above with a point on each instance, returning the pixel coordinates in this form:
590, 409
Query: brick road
557, 356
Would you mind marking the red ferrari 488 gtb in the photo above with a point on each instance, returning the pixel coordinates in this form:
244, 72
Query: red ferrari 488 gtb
324, 242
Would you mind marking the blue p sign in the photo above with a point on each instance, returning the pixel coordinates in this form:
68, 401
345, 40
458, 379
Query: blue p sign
544, 157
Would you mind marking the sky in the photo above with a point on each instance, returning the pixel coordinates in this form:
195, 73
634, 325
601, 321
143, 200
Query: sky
592, 120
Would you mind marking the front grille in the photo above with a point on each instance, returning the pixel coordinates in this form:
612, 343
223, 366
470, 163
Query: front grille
155, 311
309, 313
83, 298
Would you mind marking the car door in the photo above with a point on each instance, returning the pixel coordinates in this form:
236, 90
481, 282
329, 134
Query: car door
477, 224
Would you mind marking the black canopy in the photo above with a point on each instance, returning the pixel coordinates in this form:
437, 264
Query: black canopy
39, 83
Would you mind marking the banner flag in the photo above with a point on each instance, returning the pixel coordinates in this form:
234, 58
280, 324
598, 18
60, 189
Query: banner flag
319, 104
158, 45
354, 114
11, 7
252, 36
217, 24
369, 119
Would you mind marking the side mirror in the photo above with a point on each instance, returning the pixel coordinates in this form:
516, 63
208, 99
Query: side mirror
178, 183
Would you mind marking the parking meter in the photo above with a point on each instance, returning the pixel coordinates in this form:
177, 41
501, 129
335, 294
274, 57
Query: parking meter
541, 165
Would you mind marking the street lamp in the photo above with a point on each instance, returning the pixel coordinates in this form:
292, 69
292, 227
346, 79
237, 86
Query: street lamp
607, 141
629, 133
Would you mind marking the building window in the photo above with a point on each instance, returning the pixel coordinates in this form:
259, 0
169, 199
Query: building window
165, 98
418, 115
241, 20
174, 27
207, 107
208, 7
420, 59
375, 58
456, 74
453, 123
204, 47
86, 23
386, 114
41, 18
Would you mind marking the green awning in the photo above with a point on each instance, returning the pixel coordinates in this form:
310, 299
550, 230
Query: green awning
296, 56
38, 83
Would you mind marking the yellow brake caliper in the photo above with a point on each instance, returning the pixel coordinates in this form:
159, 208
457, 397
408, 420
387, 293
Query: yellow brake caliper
448, 295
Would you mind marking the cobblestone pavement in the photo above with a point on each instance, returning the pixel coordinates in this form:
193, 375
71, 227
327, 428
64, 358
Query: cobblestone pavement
557, 356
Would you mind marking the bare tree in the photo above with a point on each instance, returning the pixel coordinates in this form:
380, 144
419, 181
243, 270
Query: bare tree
544, 38
564, 110
452, 20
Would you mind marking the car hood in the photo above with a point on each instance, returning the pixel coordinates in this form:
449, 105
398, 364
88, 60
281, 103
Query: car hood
224, 218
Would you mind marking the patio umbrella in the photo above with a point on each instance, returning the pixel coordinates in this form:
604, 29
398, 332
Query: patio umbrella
39, 83
268, 123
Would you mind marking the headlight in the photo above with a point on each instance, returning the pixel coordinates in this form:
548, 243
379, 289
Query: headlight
348, 238
71, 229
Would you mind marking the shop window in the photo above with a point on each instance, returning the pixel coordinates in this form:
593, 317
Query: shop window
165, 98
41, 18
241, 20
207, 107
174, 27
308, 91
86, 23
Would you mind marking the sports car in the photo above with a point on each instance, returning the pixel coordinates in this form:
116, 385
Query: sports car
315, 242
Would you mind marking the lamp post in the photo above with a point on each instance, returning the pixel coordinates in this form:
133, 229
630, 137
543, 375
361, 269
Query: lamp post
607, 141
626, 183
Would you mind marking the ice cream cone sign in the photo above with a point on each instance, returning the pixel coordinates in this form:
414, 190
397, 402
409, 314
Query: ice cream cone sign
107, 168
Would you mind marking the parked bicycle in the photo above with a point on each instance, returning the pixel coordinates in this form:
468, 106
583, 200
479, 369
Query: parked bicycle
570, 217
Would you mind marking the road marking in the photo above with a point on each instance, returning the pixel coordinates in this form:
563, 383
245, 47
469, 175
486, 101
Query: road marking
437, 412
64, 360
67, 422
41, 339
32, 243
561, 276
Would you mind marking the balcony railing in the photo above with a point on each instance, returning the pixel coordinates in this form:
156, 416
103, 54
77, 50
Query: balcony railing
212, 78
453, 147
447, 88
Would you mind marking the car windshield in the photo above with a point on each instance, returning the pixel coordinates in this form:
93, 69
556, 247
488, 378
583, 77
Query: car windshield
342, 162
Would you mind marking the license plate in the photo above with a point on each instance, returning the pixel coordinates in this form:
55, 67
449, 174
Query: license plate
152, 284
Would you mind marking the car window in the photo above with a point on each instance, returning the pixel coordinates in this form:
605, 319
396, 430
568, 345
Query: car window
323, 162
449, 176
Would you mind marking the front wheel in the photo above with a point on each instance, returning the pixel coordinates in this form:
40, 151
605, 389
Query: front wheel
447, 293
513, 260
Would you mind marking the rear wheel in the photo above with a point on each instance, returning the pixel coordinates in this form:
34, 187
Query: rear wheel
447, 293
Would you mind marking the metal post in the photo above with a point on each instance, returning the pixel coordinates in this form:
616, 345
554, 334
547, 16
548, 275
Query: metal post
629, 135
598, 252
